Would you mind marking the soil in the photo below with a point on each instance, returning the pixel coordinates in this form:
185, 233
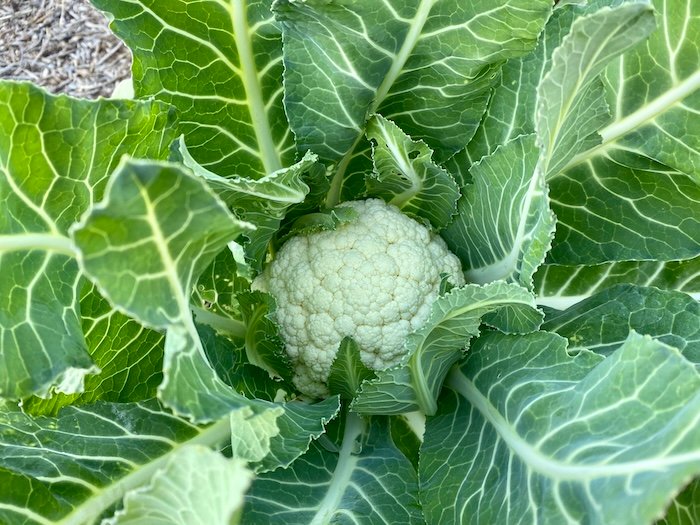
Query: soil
62, 45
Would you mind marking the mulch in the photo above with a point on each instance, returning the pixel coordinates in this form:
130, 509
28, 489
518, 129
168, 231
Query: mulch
62, 45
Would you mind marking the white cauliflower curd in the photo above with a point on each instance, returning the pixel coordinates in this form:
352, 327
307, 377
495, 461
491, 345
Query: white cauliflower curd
373, 279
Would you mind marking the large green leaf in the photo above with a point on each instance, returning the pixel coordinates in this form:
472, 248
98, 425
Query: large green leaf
528, 434
603, 195
618, 206
567, 106
654, 93
511, 109
157, 229
196, 486
606, 198
646, 150
560, 287
130, 358
426, 65
601, 322
73, 468
56, 154
508, 240
571, 104
153, 234
430, 351
220, 64
365, 480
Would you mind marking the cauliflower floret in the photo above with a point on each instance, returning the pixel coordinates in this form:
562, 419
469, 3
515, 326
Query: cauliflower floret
373, 279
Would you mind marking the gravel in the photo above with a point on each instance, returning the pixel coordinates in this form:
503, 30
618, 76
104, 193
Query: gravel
62, 45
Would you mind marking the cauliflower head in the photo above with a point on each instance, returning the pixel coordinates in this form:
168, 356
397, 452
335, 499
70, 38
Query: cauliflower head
373, 279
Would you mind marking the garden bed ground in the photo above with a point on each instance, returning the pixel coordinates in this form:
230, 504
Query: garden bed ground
63, 45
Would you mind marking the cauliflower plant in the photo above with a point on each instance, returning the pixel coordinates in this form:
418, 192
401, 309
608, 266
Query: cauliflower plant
373, 279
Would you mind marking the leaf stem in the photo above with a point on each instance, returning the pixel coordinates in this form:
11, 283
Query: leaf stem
335, 192
220, 323
38, 241
424, 395
347, 460
641, 117
249, 75
404, 53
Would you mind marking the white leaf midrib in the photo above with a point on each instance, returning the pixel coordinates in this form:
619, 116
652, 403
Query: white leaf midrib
249, 76
564, 302
404, 53
642, 116
405, 166
347, 462
48, 242
161, 244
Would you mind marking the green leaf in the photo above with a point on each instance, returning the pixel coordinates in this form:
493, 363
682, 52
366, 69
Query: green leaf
596, 197
406, 437
155, 232
266, 433
512, 106
263, 202
532, 435
229, 361
263, 345
622, 207
276, 435
366, 481
214, 300
613, 180
252, 432
73, 468
130, 358
685, 509
571, 104
145, 245
508, 241
318, 180
324, 220
406, 176
195, 487
428, 66
348, 371
601, 322
220, 64
653, 93
298, 425
560, 286
55, 156
190, 385
607, 201
430, 351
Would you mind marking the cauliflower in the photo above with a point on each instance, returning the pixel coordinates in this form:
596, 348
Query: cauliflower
373, 279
